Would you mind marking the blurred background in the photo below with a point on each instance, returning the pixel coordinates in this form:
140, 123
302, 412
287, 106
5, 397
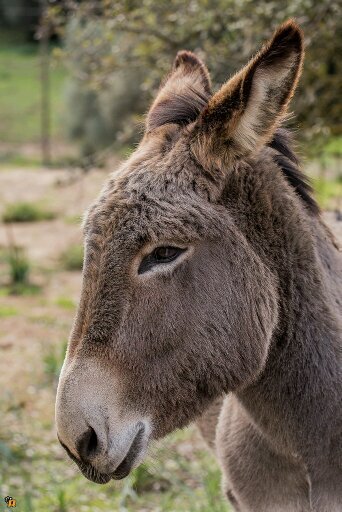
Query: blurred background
76, 78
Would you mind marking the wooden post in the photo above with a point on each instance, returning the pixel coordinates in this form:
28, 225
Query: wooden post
45, 105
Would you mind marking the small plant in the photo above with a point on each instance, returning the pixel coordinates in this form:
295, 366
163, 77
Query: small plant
28, 501
19, 265
53, 361
26, 212
212, 486
18, 269
146, 480
72, 258
61, 498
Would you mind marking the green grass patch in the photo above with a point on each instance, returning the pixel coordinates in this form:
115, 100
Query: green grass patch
46, 320
334, 147
53, 360
212, 488
19, 266
72, 258
20, 93
26, 212
24, 289
74, 220
15, 160
18, 272
328, 192
7, 311
11, 453
65, 303
171, 482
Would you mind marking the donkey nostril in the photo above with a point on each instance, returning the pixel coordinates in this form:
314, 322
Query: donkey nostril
88, 445
92, 444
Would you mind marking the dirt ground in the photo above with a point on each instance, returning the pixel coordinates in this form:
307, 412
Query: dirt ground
33, 332
40, 317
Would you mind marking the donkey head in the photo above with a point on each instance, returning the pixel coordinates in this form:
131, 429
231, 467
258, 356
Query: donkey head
176, 306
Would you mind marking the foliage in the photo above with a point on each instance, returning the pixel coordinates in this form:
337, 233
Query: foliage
20, 91
99, 114
26, 212
334, 147
65, 303
116, 35
5, 312
23, 14
19, 266
72, 258
53, 360
328, 192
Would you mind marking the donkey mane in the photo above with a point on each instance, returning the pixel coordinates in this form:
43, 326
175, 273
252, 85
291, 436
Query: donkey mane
288, 162
183, 109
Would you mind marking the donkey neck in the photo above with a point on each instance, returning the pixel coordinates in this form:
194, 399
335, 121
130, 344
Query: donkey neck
297, 398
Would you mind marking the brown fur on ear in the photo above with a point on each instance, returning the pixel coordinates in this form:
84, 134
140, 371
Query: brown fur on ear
183, 95
190, 63
245, 112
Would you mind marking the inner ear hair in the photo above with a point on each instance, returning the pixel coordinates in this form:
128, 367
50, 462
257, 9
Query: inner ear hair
245, 112
189, 62
183, 95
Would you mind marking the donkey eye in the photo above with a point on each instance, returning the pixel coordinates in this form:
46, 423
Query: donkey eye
165, 254
160, 255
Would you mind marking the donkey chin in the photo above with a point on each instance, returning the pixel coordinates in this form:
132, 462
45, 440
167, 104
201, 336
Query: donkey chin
100, 470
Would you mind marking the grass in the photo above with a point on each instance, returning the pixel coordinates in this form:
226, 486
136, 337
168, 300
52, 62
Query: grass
20, 92
72, 258
73, 219
212, 487
26, 212
7, 311
19, 266
334, 147
48, 320
24, 289
170, 482
17, 273
65, 303
14, 160
53, 360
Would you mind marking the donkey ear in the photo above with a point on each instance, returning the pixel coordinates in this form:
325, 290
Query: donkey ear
183, 95
245, 112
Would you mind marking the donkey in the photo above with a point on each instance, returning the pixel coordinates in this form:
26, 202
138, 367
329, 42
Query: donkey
212, 293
